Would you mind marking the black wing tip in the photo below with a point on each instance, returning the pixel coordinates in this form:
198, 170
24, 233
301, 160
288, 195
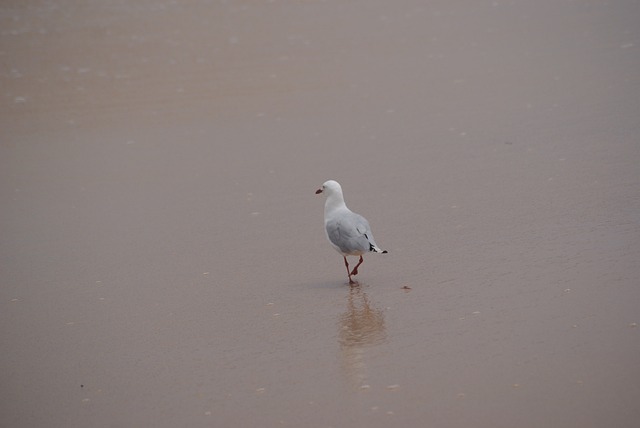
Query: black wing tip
384, 252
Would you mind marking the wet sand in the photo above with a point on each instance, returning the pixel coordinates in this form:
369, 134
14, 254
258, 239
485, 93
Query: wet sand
163, 261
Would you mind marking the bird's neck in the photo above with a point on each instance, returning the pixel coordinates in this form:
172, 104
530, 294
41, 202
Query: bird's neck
334, 202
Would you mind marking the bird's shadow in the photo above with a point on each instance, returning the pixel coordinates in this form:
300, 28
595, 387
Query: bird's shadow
337, 285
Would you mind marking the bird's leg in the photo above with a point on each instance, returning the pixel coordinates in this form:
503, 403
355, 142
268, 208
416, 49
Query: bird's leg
355, 269
348, 273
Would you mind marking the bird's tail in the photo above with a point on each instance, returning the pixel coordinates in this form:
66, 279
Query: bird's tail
373, 247
377, 249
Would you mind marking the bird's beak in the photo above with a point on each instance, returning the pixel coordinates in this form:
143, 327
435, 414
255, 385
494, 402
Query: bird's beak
318, 191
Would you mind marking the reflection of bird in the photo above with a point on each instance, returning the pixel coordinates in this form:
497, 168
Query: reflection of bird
349, 233
361, 326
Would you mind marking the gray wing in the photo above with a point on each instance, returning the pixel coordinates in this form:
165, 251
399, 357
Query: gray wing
350, 233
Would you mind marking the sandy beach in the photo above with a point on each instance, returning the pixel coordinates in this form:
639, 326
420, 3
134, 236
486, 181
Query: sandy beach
162, 256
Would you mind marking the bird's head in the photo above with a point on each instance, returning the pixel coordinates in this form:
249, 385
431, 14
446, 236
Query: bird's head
329, 187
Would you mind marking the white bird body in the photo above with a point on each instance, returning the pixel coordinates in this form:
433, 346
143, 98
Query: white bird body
349, 233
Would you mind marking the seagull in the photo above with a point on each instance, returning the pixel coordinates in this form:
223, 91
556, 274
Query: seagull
349, 233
